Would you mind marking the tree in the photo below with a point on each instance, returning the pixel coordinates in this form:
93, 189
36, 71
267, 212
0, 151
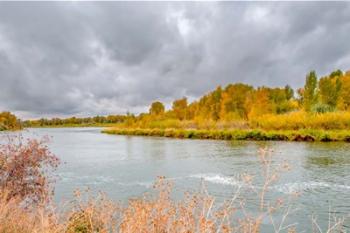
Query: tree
258, 103
337, 73
289, 92
24, 170
8, 121
329, 90
310, 91
215, 104
179, 108
157, 108
233, 101
344, 94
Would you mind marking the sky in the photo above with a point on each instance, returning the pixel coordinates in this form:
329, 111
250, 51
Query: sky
97, 58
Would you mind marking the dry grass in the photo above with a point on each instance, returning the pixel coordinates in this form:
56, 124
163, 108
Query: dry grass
303, 120
14, 218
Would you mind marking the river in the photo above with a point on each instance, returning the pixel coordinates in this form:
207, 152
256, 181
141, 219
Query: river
127, 166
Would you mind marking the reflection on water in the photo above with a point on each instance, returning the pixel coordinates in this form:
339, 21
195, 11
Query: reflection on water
126, 166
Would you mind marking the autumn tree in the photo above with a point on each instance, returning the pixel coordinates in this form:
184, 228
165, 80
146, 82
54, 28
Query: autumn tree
233, 101
215, 103
281, 99
258, 103
157, 108
25, 169
9, 121
329, 90
179, 108
344, 93
192, 110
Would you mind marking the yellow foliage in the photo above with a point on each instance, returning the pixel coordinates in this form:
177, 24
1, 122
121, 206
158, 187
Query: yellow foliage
302, 120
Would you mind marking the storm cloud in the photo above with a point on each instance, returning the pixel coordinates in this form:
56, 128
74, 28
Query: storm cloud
86, 58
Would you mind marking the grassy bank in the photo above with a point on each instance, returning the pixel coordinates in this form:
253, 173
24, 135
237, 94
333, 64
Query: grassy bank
258, 135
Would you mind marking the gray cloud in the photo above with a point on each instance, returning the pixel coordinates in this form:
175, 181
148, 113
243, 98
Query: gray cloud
86, 58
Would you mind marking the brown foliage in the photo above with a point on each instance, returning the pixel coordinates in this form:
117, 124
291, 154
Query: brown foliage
23, 170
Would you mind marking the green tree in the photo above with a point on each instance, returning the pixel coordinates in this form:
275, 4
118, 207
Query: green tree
310, 91
337, 73
289, 92
329, 90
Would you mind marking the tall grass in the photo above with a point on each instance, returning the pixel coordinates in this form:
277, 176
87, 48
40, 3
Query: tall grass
303, 120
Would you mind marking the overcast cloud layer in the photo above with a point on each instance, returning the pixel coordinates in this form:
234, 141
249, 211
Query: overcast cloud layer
84, 58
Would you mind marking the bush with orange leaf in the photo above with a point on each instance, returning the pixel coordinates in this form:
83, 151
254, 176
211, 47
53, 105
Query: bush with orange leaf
24, 169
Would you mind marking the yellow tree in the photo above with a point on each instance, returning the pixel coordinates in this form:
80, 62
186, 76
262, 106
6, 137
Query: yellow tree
180, 108
233, 101
329, 90
157, 108
8, 121
344, 95
258, 103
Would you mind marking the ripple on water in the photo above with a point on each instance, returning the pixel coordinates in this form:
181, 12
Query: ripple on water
219, 179
309, 186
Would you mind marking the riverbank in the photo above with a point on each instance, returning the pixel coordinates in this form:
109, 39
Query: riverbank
255, 135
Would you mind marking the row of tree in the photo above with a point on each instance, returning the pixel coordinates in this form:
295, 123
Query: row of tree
237, 102
77, 121
241, 101
330, 93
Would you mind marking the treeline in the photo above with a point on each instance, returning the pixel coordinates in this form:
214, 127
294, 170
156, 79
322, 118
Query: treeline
88, 121
237, 105
9, 121
243, 102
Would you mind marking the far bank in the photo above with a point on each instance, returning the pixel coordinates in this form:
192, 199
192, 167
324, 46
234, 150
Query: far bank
249, 134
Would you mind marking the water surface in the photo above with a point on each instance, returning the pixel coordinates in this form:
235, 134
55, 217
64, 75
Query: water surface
126, 166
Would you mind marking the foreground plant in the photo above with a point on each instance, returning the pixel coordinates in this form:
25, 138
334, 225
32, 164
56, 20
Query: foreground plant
24, 170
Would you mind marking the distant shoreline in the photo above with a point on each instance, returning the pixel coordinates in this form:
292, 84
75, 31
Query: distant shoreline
74, 125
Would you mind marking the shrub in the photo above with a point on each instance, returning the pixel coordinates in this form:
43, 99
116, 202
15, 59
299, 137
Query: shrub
24, 168
322, 108
303, 120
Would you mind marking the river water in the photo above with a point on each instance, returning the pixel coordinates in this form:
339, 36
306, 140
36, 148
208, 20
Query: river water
127, 166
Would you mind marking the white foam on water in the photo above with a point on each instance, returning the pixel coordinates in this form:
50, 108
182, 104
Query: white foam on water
90, 180
304, 186
145, 184
218, 179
